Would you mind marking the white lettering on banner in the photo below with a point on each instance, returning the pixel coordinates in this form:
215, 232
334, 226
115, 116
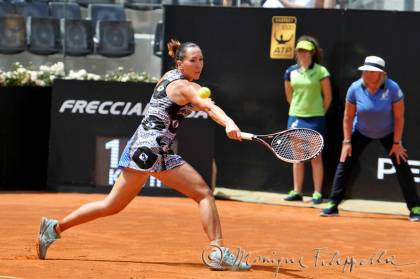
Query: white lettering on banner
98, 107
113, 175
154, 182
114, 146
67, 104
385, 166
103, 107
113, 108
136, 109
92, 107
79, 106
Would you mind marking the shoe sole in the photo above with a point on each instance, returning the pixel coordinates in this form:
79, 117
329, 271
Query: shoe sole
328, 215
38, 242
218, 267
224, 268
316, 202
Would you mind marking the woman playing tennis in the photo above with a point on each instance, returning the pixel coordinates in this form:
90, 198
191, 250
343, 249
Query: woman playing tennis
149, 153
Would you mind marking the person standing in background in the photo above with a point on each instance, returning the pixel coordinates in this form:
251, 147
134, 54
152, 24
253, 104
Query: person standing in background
308, 91
374, 111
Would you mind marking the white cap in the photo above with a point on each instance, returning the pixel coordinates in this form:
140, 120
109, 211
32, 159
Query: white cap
374, 64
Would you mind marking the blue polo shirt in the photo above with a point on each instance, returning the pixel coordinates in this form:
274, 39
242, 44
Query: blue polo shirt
374, 114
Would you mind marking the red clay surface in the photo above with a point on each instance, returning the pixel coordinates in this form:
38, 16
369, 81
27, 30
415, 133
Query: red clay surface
162, 238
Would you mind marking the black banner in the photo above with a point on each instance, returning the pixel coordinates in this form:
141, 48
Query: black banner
24, 131
248, 85
91, 121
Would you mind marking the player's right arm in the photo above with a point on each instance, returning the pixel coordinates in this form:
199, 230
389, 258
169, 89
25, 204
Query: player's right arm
183, 92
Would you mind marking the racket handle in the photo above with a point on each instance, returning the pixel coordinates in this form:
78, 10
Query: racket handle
246, 136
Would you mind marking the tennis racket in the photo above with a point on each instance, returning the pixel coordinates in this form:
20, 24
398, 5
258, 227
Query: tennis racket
293, 145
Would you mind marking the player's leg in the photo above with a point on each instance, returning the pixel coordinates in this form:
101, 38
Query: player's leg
186, 180
123, 192
125, 189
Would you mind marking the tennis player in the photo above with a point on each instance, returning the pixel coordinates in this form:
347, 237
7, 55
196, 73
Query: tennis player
149, 152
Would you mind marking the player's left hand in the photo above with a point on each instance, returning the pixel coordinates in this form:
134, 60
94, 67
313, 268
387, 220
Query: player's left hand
399, 152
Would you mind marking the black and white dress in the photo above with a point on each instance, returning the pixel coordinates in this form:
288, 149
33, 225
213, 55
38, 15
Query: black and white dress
149, 149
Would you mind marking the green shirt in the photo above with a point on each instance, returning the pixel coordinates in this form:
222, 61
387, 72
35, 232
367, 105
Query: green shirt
307, 100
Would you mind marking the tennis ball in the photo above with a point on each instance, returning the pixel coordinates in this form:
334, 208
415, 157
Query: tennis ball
204, 92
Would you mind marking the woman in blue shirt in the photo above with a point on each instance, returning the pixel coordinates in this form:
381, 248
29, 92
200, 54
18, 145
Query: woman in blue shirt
374, 110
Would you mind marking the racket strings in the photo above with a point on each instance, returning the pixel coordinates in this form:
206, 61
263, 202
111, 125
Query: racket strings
298, 144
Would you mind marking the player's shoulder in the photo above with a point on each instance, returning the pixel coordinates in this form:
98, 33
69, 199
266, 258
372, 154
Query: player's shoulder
181, 83
182, 86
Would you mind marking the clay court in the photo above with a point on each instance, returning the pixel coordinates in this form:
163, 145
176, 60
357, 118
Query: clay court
156, 237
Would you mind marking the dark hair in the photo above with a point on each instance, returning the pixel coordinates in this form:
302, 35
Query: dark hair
176, 50
317, 53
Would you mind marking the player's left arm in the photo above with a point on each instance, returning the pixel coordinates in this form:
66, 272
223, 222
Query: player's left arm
220, 117
215, 112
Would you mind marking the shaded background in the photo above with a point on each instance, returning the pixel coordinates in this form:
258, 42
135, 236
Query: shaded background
248, 85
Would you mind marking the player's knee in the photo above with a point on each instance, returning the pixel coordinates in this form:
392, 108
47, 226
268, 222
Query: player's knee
204, 193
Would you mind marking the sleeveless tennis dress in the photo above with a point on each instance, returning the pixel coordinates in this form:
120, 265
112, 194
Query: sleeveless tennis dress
149, 149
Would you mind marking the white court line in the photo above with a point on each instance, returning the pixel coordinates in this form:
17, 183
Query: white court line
10, 277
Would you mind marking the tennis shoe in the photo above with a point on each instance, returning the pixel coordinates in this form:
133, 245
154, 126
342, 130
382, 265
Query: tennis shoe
330, 210
46, 236
415, 214
316, 198
294, 196
223, 259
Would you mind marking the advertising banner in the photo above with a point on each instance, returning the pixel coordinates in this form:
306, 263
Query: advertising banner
91, 122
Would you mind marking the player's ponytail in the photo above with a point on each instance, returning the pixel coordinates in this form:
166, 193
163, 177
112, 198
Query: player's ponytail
176, 50
173, 45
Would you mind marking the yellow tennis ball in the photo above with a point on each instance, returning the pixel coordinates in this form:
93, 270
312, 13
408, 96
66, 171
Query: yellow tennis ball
204, 92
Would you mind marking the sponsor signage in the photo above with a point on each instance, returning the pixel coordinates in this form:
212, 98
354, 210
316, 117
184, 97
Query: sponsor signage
91, 122
283, 36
